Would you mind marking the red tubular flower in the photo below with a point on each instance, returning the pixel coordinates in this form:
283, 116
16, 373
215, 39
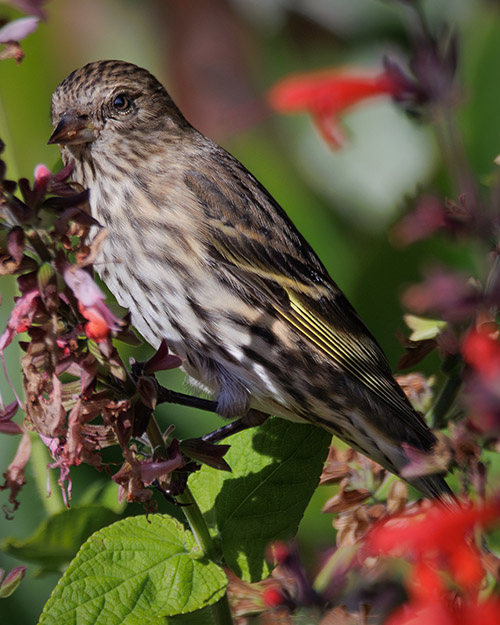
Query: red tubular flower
482, 352
101, 320
327, 94
440, 538
273, 597
98, 327
442, 535
443, 611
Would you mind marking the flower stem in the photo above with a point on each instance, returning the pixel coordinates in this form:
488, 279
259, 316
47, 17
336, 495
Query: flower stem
190, 507
447, 395
198, 525
221, 610
194, 516
337, 564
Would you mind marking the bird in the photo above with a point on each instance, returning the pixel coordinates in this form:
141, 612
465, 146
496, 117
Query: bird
206, 259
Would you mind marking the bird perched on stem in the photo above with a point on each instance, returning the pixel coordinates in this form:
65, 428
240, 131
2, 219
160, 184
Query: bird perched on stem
205, 258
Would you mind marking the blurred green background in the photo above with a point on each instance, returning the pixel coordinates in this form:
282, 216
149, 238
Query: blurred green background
217, 58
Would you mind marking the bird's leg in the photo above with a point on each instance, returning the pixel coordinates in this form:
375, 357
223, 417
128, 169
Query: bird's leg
166, 396
252, 419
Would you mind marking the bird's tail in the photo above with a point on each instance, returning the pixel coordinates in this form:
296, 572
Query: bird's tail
434, 487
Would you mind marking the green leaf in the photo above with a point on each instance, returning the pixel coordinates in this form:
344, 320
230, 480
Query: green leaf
135, 572
275, 470
105, 493
56, 541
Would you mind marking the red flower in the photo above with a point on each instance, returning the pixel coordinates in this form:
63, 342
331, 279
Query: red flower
91, 303
327, 94
443, 611
440, 537
482, 352
273, 597
98, 327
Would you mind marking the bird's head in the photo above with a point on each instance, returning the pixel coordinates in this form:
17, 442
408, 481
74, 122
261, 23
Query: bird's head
108, 99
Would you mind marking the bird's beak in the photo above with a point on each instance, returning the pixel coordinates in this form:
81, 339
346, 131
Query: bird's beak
72, 130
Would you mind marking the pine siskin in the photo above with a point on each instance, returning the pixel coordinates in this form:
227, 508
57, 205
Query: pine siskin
205, 258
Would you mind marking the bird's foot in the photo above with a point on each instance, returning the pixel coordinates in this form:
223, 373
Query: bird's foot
253, 418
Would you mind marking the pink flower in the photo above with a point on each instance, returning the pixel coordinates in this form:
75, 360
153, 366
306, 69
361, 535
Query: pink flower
42, 176
11, 581
18, 29
101, 320
450, 294
152, 470
428, 217
20, 318
327, 94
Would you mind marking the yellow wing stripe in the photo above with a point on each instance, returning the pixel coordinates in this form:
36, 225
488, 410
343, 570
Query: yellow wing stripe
326, 334
325, 330
340, 349
346, 352
260, 270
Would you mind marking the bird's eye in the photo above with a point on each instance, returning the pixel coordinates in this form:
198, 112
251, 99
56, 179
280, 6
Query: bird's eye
121, 103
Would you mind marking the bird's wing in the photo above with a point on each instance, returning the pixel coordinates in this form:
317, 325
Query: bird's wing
260, 249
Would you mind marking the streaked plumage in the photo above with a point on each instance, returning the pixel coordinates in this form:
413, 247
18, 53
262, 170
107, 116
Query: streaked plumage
204, 257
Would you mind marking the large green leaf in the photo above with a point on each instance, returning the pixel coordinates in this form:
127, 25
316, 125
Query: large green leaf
275, 470
135, 572
56, 541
